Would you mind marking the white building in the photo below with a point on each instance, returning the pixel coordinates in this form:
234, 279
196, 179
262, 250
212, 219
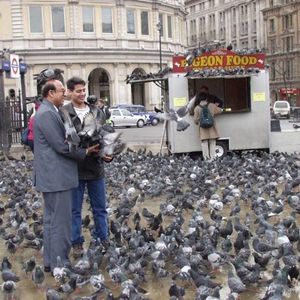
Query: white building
221, 22
100, 41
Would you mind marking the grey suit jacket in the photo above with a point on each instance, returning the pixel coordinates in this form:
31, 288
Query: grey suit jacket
55, 167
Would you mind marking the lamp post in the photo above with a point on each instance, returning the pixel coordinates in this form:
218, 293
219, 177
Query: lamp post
4, 110
159, 28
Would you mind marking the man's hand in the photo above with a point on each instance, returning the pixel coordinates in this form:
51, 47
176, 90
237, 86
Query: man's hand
107, 158
93, 149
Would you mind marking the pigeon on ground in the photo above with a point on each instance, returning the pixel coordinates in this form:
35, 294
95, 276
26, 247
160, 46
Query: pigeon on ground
38, 275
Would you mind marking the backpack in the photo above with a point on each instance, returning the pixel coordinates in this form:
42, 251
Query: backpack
24, 136
206, 119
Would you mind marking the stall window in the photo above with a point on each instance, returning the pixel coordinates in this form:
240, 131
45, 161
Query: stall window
234, 92
237, 99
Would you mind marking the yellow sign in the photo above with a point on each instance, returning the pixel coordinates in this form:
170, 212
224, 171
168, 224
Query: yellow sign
259, 97
178, 102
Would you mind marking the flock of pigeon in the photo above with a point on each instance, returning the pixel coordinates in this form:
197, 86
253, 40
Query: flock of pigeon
180, 228
93, 132
141, 76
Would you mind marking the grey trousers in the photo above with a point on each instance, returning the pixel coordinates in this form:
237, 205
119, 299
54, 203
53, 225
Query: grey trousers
57, 227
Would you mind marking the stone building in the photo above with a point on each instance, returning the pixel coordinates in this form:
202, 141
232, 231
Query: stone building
282, 31
221, 22
100, 41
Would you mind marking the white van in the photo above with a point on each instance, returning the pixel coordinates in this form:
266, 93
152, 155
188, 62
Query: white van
281, 109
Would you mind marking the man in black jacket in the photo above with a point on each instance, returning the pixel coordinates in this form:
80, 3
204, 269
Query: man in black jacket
90, 171
104, 109
211, 98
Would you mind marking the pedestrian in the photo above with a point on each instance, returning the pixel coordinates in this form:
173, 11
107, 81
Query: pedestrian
55, 174
211, 98
104, 109
208, 136
90, 170
31, 125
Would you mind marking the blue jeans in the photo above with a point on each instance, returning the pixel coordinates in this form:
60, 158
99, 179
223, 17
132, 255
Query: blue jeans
96, 192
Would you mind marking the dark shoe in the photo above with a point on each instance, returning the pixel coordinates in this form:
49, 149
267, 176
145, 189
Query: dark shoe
47, 269
77, 250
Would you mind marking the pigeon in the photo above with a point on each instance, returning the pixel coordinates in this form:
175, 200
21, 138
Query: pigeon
89, 125
8, 287
38, 275
261, 247
52, 294
68, 287
97, 280
235, 284
176, 291
72, 136
29, 265
5, 264
172, 116
8, 274
182, 111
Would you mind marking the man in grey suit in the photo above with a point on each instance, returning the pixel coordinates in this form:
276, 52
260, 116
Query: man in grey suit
55, 174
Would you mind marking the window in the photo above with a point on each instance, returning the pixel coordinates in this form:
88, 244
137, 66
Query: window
289, 69
106, 20
233, 13
161, 21
272, 25
254, 26
273, 71
58, 19
234, 30
288, 43
144, 23
125, 112
272, 46
130, 21
87, 19
36, 21
287, 21
169, 27
235, 92
116, 113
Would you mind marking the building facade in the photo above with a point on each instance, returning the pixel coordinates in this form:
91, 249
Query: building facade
100, 41
224, 22
282, 31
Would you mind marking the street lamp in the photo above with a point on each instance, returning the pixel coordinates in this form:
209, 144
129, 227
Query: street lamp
4, 109
159, 28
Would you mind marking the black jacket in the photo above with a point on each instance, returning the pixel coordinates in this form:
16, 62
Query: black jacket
92, 167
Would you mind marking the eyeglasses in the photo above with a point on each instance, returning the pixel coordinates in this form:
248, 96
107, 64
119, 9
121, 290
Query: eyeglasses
61, 91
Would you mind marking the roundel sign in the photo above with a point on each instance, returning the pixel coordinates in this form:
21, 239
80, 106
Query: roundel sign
14, 66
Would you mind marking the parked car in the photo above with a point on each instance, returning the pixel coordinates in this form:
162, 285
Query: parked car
140, 110
123, 117
281, 109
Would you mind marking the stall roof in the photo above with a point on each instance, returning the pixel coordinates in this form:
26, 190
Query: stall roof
148, 80
219, 77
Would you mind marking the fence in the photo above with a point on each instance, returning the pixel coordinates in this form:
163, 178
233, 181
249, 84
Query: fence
11, 122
